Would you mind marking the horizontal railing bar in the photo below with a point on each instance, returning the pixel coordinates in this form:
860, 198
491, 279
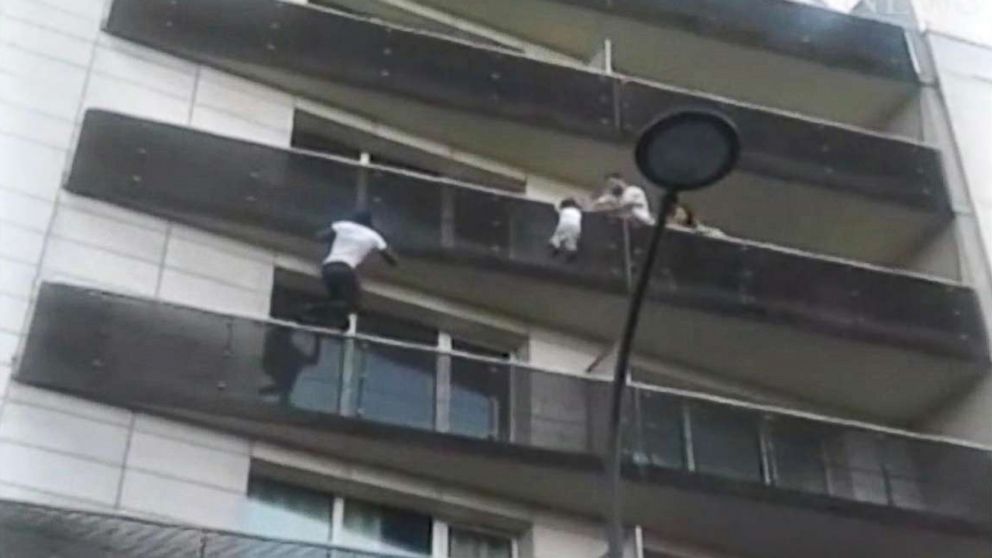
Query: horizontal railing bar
619, 76
676, 392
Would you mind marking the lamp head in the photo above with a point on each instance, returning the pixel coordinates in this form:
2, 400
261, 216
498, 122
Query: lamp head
688, 150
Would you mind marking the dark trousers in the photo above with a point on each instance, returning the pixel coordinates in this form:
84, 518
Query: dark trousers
343, 290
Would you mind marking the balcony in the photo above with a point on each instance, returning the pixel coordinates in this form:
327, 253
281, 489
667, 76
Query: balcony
32, 531
823, 63
567, 122
833, 332
693, 465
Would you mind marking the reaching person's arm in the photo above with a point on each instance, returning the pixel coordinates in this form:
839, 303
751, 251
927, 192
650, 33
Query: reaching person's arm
390, 256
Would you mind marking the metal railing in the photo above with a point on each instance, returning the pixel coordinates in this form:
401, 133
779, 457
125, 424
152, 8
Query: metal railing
32, 530
412, 386
152, 353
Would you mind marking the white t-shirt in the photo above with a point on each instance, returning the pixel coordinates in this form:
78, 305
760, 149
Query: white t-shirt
570, 219
633, 197
352, 243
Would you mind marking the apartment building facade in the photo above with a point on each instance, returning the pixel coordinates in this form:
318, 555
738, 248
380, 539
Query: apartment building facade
813, 381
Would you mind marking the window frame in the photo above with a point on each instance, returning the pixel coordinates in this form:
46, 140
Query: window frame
440, 528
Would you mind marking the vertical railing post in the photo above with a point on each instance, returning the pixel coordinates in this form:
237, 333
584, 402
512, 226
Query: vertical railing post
687, 443
447, 216
203, 544
628, 257
347, 405
884, 466
767, 448
442, 385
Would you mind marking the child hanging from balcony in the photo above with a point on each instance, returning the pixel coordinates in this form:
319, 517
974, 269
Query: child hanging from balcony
569, 230
351, 241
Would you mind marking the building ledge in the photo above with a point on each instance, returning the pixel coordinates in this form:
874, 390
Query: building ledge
561, 121
768, 315
524, 433
824, 63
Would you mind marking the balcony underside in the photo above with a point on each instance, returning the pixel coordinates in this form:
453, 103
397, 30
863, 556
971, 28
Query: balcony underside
831, 332
208, 368
823, 64
848, 375
566, 122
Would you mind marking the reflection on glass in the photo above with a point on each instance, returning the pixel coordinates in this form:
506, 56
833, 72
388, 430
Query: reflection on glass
479, 398
661, 429
304, 369
396, 385
284, 511
798, 454
726, 442
383, 529
463, 543
854, 466
934, 477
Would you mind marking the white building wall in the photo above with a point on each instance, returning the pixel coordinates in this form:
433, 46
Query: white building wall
964, 71
54, 65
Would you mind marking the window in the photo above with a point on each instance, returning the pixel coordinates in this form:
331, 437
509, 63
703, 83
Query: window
284, 511
387, 383
281, 510
465, 543
384, 529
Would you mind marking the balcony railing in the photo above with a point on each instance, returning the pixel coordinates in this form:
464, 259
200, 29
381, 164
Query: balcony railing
789, 28
298, 48
33, 531
146, 354
278, 198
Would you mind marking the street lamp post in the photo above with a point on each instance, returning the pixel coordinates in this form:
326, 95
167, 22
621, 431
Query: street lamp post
685, 150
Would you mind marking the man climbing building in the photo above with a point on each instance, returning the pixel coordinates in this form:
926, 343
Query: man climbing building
351, 240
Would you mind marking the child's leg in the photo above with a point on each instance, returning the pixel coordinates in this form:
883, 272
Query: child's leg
571, 245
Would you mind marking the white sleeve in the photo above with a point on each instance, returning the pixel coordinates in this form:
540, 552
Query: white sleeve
380, 242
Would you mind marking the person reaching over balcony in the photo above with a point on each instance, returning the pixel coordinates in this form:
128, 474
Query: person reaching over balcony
628, 201
683, 216
569, 230
351, 240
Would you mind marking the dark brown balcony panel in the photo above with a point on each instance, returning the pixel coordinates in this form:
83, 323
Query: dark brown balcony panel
310, 52
278, 198
693, 466
823, 63
753, 312
789, 28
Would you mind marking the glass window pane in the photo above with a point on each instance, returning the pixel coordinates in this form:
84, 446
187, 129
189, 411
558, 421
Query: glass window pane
463, 543
396, 385
383, 529
661, 429
725, 442
284, 511
479, 398
303, 369
854, 463
799, 455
